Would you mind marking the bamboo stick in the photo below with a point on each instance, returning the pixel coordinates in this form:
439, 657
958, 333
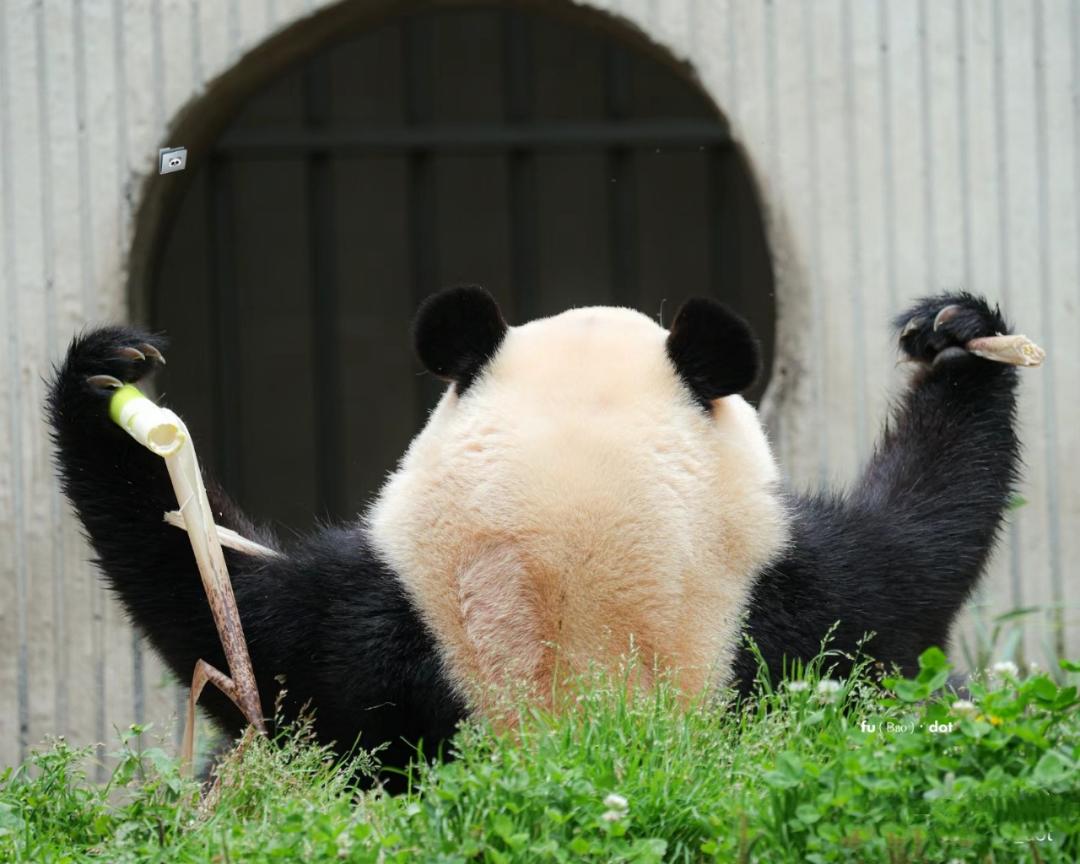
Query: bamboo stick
1015, 349
162, 432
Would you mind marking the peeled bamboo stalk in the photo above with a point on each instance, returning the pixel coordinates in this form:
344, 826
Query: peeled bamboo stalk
162, 432
1015, 349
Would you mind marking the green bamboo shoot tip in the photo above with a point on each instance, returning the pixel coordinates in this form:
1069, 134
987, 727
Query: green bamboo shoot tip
121, 398
156, 428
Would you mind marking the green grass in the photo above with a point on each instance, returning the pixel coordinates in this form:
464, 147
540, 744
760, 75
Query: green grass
797, 775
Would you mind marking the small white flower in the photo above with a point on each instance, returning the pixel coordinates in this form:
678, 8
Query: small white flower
828, 687
964, 708
796, 686
615, 801
613, 815
1005, 669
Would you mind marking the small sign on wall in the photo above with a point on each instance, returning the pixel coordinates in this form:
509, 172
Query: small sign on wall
172, 159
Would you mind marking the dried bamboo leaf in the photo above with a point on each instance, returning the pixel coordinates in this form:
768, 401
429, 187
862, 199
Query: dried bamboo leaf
227, 537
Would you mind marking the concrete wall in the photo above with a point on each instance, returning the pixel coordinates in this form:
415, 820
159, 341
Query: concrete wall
901, 148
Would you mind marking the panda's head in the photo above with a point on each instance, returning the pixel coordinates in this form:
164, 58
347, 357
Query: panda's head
588, 482
459, 332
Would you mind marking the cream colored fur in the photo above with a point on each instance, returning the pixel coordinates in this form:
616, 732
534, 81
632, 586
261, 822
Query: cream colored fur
576, 499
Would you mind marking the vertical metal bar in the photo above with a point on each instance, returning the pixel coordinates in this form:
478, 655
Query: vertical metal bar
330, 492
727, 277
521, 166
417, 53
225, 325
622, 185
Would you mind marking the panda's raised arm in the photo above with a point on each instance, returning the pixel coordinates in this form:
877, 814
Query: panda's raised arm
326, 618
902, 550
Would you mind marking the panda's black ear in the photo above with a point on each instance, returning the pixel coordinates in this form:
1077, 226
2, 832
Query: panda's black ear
713, 349
457, 331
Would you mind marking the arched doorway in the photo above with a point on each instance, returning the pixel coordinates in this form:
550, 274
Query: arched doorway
388, 163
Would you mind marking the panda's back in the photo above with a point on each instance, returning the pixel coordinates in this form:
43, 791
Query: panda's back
540, 530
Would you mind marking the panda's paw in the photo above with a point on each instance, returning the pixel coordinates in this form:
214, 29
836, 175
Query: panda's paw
99, 362
110, 357
936, 329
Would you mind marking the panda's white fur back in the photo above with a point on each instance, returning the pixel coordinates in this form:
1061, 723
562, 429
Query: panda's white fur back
576, 498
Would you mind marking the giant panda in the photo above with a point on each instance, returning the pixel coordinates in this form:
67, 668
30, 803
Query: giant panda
589, 484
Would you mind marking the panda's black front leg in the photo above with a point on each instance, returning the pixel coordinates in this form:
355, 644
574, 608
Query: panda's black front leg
327, 619
120, 492
901, 551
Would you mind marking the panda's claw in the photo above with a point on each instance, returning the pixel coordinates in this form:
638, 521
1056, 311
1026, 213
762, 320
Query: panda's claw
129, 353
911, 326
946, 314
104, 382
152, 352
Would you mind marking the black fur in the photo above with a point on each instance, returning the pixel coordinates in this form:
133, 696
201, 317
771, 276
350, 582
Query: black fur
897, 554
457, 332
713, 349
900, 552
328, 620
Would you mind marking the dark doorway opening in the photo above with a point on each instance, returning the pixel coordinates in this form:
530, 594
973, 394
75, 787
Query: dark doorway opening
554, 163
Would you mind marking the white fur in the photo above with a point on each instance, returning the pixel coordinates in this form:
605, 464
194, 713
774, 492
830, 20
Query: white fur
574, 500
